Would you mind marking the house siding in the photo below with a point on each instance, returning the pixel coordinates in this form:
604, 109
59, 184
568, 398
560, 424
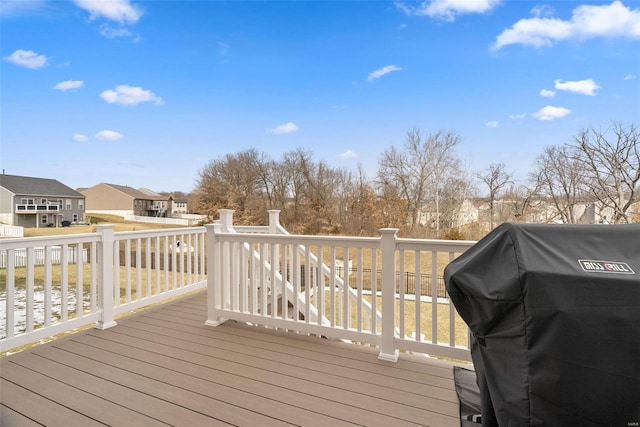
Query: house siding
38, 192
6, 202
117, 200
105, 198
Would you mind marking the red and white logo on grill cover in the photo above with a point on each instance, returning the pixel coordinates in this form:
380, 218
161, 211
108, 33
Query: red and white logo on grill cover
597, 266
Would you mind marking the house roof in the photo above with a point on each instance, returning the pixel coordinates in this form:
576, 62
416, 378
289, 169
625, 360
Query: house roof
136, 194
153, 194
30, 186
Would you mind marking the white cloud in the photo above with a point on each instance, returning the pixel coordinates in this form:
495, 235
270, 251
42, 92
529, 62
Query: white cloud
518, 116
69, 84
121, 11
546, 93
27, 58
109, 135
129, 95
448, 9
349, 154
542, 10
630, 77
492, 124
78, 137
15, 8
113, 33
382, 71
585, 87
551, 113
284, 128
587, 21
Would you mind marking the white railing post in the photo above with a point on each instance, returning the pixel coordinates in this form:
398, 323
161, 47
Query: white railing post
388, 350
274, 220
105, 277
226, 220
214, 274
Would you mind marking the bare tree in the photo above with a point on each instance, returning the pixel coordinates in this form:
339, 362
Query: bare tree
560, 176
455, 192
392, 206
524, 201
314, 189
359, 210
611, 161
291, 175
496, 178
232, 182
415, 172
395, 179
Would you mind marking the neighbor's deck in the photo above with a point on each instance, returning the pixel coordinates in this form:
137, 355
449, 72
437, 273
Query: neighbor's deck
164, 366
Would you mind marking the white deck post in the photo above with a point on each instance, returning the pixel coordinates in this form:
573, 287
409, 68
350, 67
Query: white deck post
214, 274
274, 220
388, 350
106, 290
226, 220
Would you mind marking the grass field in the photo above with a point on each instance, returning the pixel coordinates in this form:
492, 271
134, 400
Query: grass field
119, 222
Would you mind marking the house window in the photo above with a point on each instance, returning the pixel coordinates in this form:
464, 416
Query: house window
67, 204
75, 217
43, 201
44, 219
81, 205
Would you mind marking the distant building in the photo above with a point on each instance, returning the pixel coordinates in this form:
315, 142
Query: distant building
119, 200
161, 204
179, 207
39, 202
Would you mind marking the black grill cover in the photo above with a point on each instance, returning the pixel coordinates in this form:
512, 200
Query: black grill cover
555, 314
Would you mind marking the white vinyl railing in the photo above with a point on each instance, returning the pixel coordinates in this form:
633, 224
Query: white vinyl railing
264, 276
20, 256
163, 220
11, 231
384, 291
54, 292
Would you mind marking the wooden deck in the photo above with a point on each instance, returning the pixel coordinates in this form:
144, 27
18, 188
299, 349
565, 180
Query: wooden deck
165, 367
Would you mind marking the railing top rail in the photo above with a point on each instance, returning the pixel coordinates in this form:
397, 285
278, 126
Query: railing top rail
434, 245
123, 235
34, 242
242, 234
299, 239
263, 229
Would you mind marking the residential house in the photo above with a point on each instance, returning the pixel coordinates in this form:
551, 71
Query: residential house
161, 204
179, 207
39, 202
118, 200
167, 206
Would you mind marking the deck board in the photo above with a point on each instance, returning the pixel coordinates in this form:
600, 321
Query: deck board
14, 419
165, 367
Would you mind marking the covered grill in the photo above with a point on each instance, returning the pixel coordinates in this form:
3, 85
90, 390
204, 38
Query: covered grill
555, 314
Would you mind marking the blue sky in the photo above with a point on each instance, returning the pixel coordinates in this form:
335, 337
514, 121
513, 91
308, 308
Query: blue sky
145, 93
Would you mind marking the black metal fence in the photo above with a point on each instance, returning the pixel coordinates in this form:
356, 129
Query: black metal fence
408, 281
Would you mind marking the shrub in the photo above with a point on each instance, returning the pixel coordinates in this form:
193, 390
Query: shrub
454, 234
